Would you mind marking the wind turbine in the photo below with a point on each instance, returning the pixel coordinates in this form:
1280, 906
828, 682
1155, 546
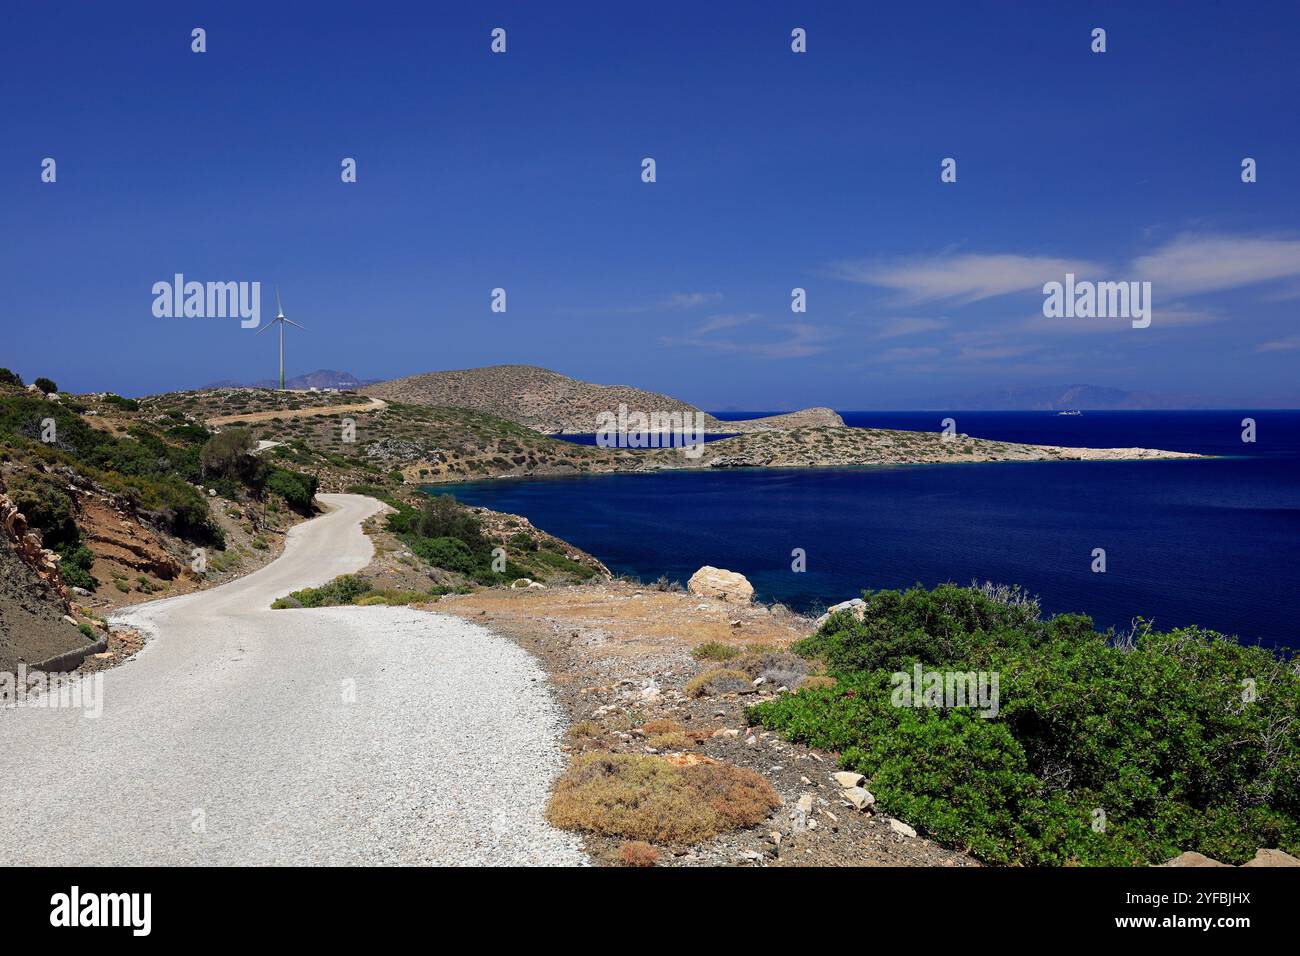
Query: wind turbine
279, 320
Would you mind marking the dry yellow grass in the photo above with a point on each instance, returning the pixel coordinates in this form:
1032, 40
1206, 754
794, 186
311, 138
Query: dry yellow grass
669, 741
720, 680
645, 797
662, 725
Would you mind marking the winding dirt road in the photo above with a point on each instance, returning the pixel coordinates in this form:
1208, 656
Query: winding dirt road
242, 735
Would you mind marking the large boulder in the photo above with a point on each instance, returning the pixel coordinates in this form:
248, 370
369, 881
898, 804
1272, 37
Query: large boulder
1192, 858
856, 606
711, 582
1272, 858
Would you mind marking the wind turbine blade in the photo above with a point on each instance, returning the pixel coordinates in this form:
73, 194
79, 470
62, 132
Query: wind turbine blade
278, 307
267, 326
292, 322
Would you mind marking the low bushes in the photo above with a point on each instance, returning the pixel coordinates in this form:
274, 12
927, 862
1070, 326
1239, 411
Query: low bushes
1101, 752
297, 489
349, 589
715, 651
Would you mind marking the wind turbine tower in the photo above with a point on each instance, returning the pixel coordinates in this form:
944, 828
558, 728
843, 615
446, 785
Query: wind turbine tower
280, 319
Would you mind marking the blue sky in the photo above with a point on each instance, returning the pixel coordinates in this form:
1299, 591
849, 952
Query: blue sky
775, 170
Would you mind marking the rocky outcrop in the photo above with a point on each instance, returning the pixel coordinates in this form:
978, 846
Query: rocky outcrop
43, 562
1262, 857
36, 626
120, 541
856, 606
1272, 858
720, 584
1192, 859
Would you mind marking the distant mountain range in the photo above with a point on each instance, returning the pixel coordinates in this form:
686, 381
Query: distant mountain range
321, 378
1061, 397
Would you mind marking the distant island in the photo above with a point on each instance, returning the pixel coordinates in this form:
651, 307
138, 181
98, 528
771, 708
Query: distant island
1051, 398
555, 404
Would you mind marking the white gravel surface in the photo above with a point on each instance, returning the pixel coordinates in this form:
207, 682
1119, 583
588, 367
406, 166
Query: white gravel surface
242, 735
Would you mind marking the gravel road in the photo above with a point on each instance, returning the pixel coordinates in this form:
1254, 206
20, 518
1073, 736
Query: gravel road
246, 736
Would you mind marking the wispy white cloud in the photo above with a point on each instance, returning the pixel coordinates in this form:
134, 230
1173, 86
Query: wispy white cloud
689, 300
1177, 315
1280, 345
716, 323
1195, 263
899, 327
674, 302
964, 278
903, 354
1192, 263
799, 340
994, 353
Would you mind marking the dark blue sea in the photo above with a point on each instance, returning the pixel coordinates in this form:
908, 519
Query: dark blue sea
1209, 542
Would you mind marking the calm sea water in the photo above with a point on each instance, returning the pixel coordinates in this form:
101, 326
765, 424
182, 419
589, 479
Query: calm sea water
1214, 542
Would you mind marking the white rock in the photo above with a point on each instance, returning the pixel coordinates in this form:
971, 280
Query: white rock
721, 584
848, 779
856, 605
860, 798
901, 828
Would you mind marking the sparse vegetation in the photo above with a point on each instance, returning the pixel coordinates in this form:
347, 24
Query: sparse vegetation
721, 680
352, 589
647, 797
715, 651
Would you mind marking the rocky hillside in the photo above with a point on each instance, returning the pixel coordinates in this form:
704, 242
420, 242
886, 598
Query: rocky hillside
552, 403
829, 447
398, 444
35, 618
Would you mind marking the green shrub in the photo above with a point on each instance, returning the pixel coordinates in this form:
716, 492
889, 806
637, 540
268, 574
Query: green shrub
715, 651
1155, 734
521, 542
46, 385
297, 489
75, 563
125, 404
190, 434
152, 475
342, 590
451, 554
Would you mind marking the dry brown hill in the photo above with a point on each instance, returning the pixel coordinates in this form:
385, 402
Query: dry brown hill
551, 403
